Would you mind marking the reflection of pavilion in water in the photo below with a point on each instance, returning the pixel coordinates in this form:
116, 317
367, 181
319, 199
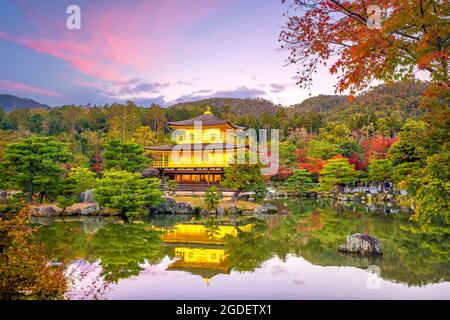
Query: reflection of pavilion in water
200, 248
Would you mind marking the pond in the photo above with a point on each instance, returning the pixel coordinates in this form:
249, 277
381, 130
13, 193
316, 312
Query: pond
290, 256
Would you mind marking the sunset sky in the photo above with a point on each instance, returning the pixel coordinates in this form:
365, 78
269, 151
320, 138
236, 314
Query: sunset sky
147, 51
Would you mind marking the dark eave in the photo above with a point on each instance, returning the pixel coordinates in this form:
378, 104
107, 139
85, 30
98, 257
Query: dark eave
194, 147
206, 120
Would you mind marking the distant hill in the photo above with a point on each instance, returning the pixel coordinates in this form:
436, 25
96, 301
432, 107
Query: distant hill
9, 102
401, 98
240, 107
320, 104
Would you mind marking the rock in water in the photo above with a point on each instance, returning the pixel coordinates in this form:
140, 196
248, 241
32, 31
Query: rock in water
260, 210
220, 210
205, 212
88, 210
273, 193
43, 211
168, 206
233, 209
183, 208
361, 244
270, 208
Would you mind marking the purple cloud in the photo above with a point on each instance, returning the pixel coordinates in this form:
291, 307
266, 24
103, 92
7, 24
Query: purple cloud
278, 87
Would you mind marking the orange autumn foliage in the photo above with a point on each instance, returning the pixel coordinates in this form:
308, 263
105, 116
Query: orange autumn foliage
310, 164
408, 35
377, 147
25, 270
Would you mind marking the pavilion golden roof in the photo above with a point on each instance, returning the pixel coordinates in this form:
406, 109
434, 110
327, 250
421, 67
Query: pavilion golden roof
207, 119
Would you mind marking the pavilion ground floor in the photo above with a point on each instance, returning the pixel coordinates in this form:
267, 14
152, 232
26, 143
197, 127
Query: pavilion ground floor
189, 179
193, 175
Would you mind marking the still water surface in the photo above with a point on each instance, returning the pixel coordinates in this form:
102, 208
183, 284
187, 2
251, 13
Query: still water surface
272, 257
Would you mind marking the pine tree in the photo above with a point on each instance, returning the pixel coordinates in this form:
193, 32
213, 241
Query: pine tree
380, 170
129, 192
212, 196
245, 177
337, 172
124, 156
300, 181
36, 164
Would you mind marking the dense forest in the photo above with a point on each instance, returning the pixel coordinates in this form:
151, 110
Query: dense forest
381, 135
382, 110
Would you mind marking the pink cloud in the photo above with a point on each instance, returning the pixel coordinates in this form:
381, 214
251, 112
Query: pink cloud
17, 86
116, 40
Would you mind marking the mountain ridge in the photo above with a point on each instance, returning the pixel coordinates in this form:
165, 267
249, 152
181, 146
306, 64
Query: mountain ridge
403, 96
9, 102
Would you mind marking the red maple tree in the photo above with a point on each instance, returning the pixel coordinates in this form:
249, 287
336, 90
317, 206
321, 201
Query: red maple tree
377, 147
383, 39
310, 164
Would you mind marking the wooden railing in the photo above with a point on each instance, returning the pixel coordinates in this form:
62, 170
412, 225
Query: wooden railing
165, 164
160, 164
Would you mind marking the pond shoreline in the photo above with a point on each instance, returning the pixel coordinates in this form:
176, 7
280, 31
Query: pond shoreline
245, 204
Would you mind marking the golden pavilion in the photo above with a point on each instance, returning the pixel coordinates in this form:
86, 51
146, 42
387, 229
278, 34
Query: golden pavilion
200, 151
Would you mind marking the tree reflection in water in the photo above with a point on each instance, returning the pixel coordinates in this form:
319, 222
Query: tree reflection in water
312, 230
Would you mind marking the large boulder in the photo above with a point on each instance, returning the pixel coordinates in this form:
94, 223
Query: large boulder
43, 211
361, 244
168, 206
183, 208
86, 210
